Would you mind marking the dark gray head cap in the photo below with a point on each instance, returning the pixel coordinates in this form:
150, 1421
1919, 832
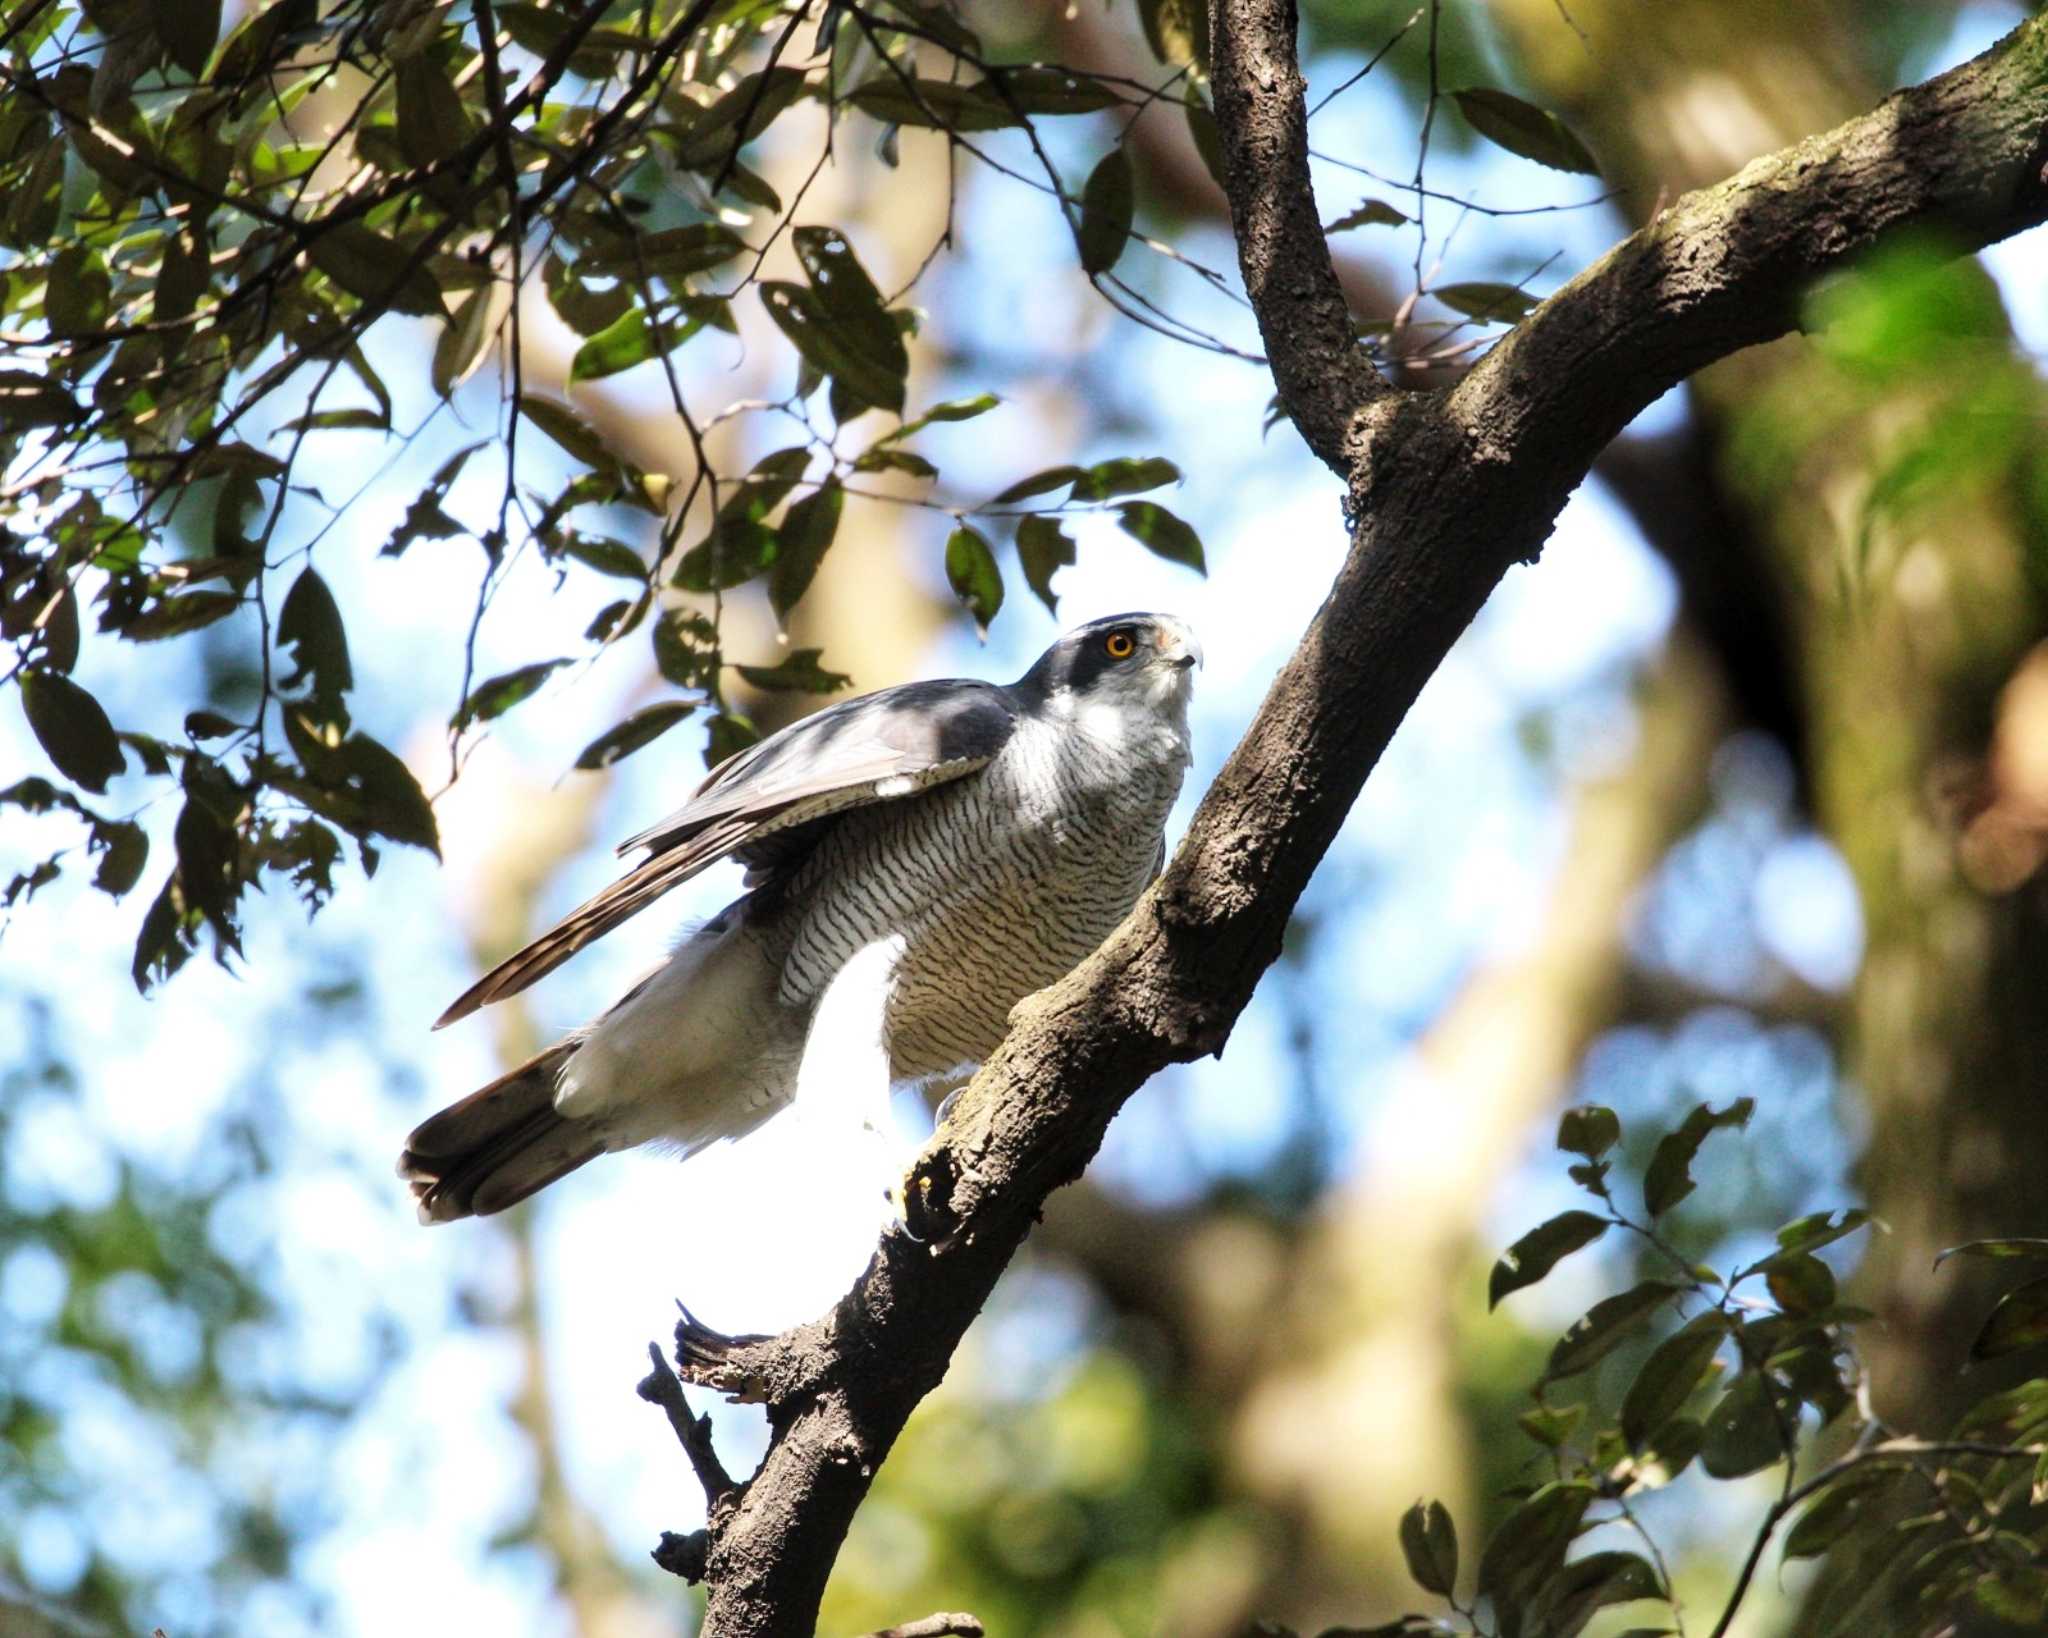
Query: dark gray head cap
1085, 655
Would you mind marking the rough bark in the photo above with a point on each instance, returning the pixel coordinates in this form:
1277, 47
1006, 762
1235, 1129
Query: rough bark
1446, 491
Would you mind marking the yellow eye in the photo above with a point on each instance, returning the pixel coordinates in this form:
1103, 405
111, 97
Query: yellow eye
1119, 645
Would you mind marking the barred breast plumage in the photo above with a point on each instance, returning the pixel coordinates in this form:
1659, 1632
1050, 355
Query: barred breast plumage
998, 886
919, 860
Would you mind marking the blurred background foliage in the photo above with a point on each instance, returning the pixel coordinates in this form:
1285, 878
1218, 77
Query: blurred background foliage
1742, 793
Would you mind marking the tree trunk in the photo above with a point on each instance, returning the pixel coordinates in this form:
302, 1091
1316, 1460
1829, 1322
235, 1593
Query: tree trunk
1948, 1037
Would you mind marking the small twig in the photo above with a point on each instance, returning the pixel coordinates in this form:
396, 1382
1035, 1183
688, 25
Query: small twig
661, 1387
934, 1626
1899, 1451
1371, 63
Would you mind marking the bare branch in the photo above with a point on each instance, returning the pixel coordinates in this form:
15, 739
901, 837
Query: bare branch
1324, 376
661, 1387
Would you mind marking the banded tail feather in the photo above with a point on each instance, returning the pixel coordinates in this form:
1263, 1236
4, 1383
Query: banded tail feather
496, 1146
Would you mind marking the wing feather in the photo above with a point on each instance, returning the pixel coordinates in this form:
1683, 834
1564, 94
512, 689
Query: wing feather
880, 747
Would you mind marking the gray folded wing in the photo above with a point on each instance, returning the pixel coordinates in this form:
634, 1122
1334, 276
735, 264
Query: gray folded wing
767, 805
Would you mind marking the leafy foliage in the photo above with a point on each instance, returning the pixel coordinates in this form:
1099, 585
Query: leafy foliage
1747, 1380
217, 248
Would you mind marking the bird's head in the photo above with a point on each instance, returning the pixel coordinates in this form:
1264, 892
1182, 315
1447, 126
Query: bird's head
1137, 663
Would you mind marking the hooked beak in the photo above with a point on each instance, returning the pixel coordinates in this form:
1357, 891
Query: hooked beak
1178, 646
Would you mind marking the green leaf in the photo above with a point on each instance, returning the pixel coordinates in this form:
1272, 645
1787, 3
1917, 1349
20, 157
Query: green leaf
1043, 548
2014, 1594
972, 573
602, 553
737, 117
60, 627
568, 429
1551, 1425
1668, 1451
1668, 1377
1590, 1129
1801, 1283
188, 30
1047, 90
207, 877
727, 735
1524, 129
673, 254
1106, 203
930, 105
686, 649
75, 299
1177, 31
2032, 1250
643, 727
174, 616
1039, 483
497, 695
167, 938
1207, 137
366, 264
310, 623
28, 399
1833, 1512
1492, 303
799, 674
123, 849
740, 544
1528, 1545
958, 409
1159, 530
1605, 1326
1824, 1228
432, 122
1578, 1591
840, 323
882, 458
1741, 1434
36, 794
2019, 1321
627, 341
799, 315
1429, 1541
1370, 213
342, 420
940, 25
72, 729
460, 347
1669, 1177
1127, 475
1536, 1253
2018, 1415
808, 528
584, 307
393, 804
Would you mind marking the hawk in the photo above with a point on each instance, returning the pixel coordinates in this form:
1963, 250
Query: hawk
918, 860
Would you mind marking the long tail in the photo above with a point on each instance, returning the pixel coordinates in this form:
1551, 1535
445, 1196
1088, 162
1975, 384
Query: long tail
498, 1145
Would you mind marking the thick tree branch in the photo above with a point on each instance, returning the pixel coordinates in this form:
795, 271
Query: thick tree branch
1324, 377
1447, 492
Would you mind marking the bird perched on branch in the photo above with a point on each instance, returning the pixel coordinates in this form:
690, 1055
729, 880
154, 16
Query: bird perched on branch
918, 861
